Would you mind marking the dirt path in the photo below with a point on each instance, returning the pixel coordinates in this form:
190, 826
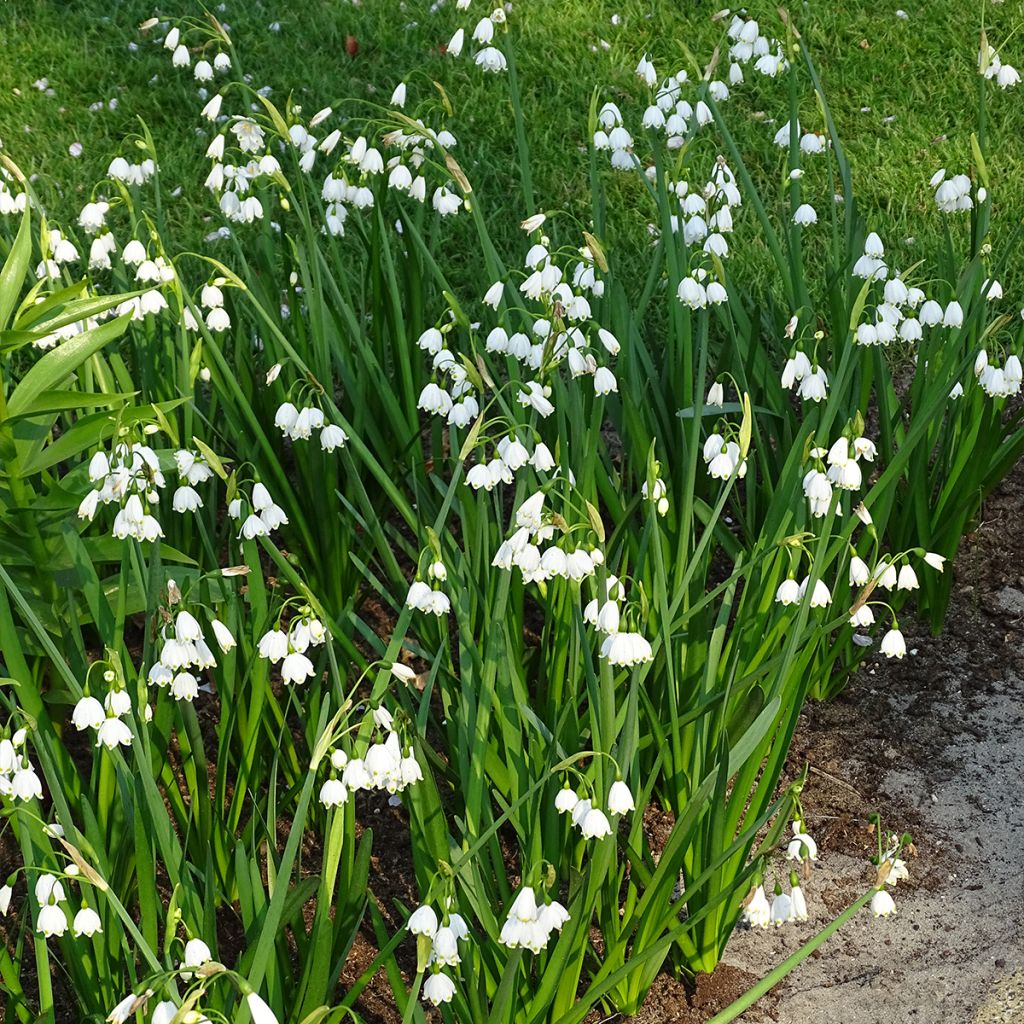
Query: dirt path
937, 744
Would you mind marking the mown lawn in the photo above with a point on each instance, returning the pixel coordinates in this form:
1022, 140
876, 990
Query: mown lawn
903, 88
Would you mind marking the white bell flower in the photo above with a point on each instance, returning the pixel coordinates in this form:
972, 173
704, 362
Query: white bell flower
120, 1013
821, 597
455, 44
620, 799
439, 988
446, 948
87, 922
273, 645
782, 910
798, 903
885, 573
595, 824
566, 800
25, 785
801, 846
626, 649
859, 572
296, 668
260, 1012
893, 644
222, 635
51, 920
88, 714
423, 921
907, 579
196, 953
185, 687
333, 793
882, 904
113, 732
757, 912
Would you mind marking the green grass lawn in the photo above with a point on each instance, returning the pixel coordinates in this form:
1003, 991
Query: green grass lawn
903, 91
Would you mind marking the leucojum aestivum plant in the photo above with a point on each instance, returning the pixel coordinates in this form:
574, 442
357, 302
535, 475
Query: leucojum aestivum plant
304, 527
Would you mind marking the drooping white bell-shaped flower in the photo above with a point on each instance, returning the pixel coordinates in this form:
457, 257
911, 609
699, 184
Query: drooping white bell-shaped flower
423, 921
620, 799
893, 644
882, 904
439, 988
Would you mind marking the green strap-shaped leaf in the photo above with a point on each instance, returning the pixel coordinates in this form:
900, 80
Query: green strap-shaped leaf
13, 273
56, 366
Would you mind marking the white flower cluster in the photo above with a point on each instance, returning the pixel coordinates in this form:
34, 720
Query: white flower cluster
560, 333
181, 57
10, 202
444, 934
405, 168
18, 778
790, 592
669, 113
673, 115
100, 250
264, 515
92, 217
298, 425
51, 919
623, 648
487, 57
71, 330
886, 577
705, 218
156, 270
106, 718
810, 379
996, 381
989, 65
511, 456
427, 596
211, 298
749, 44
843, 472
383, 767
131, 174
811, 143
148, 303
522, 550
58, 251
891, 870
195, 955
130, 476
591, 821
193, 469
184, 648
953, 195
785, 907
347, 186
290, 647
612, 136
658, 494
339, 193
903, 310
722, 458
529, 925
